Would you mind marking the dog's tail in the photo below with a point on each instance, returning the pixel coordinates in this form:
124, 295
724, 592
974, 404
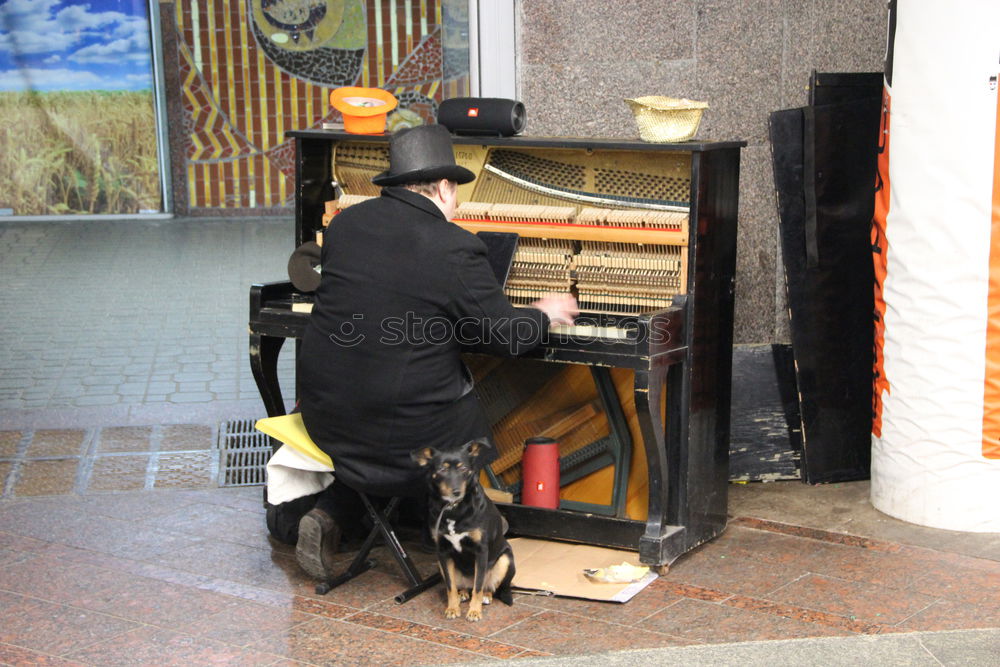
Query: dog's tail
505, 595
503, 592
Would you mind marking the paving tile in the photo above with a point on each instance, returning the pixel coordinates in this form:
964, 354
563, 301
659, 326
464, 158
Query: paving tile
767, 546
141, 507
9, 443
319, 607
118, 473
558, 633
55, 579
46, 477
972, 580
447, 637
428, 609
245, 498
243, 623
101, 380
949, 615
131, 388
189, 387
864, 602
329, 642
22, 544
717, 571
254, 566
15, 655
196, 397
655, 597
154, 602
96, 400
197, 378
66, 390
895, 568
157, 646
184, 470
53, 628
709, 622
10, 399
216, 522
816, 534
891, 569
5, 470
63, 524
962, 648
196, 360
177, 437
10, 555
693, 592
56, 443
101, 362
849, 624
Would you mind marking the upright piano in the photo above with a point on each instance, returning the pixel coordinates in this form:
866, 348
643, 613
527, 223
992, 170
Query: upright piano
637, 392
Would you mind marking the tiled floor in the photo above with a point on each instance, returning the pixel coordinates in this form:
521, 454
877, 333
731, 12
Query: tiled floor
115, 458
109, 323
189, 576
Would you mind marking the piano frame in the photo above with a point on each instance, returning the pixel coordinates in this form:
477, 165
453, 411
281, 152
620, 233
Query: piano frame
684, 351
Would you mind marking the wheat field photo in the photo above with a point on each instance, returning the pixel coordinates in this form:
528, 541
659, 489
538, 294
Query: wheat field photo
88, 152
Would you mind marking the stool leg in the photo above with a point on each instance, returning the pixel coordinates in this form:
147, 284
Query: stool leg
418, 584
391, 541
361, 563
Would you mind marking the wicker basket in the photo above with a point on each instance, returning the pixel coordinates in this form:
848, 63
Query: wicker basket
666, 119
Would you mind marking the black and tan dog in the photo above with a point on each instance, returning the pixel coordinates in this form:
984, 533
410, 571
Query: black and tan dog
468, 531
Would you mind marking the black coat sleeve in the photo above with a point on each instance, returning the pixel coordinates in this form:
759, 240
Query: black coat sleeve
485, 318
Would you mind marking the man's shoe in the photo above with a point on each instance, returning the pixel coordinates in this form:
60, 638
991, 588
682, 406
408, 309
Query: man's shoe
319, 539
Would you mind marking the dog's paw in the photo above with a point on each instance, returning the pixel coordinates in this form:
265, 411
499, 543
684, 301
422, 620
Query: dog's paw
463, 596
487, 598
452, 612
474, 615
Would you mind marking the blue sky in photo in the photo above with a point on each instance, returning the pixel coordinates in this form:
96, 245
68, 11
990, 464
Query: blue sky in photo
48, 45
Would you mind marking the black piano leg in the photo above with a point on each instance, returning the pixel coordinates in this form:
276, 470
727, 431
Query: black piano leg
656, 544
264, 364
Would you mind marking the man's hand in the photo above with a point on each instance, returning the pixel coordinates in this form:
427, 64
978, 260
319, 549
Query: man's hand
560, 307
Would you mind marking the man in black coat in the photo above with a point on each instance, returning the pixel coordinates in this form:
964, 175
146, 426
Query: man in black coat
380, 371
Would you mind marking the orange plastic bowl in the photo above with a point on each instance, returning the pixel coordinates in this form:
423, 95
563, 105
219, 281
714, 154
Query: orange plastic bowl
364, 109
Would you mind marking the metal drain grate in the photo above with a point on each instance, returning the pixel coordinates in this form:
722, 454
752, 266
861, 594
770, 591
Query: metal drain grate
243, 453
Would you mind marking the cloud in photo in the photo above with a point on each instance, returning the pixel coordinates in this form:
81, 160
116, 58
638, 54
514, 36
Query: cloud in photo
53, 79
108, 48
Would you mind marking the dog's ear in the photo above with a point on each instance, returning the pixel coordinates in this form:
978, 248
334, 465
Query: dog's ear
423, 455
477, 447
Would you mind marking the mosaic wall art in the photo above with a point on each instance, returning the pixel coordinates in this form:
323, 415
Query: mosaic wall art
251, 70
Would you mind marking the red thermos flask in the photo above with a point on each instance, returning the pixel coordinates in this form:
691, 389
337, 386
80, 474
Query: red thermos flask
540, 473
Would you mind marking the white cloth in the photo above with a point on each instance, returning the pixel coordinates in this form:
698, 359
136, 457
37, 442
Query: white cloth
291, 475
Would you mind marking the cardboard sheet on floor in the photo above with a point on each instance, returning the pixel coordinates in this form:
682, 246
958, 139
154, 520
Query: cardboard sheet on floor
557, 568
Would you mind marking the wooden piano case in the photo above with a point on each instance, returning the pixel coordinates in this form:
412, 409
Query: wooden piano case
645, 235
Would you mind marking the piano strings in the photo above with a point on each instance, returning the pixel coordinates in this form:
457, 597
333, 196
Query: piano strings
611, 277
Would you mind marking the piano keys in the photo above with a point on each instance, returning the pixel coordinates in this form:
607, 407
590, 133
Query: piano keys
637, 391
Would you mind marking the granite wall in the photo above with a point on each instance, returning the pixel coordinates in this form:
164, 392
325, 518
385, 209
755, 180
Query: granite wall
578, 59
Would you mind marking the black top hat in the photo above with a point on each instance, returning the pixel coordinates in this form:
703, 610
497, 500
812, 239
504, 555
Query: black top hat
420, 154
